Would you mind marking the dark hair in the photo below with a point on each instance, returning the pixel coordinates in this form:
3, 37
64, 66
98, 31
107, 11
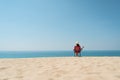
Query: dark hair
78, 45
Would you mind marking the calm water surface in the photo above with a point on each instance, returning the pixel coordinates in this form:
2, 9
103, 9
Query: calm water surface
33, 54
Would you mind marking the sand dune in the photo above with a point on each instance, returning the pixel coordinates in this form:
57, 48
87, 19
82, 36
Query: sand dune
61, 68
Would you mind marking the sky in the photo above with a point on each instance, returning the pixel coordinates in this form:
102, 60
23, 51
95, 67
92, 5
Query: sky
38, 25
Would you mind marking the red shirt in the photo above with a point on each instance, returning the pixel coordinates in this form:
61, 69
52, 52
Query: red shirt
77, 49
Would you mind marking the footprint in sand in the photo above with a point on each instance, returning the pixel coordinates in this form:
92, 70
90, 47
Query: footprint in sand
19, 77
57, 75
3, 68
40, 66
51, 79
117, 76
62, 71
5, 79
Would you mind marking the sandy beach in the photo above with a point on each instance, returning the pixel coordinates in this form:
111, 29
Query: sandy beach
61, 68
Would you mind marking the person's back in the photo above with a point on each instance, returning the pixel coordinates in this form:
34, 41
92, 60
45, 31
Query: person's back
77, 49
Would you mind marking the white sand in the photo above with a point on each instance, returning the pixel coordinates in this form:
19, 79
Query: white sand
65, 68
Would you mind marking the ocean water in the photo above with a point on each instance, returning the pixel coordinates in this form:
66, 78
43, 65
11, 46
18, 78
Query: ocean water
34, 54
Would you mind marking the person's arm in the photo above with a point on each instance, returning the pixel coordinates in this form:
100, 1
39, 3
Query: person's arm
82, 47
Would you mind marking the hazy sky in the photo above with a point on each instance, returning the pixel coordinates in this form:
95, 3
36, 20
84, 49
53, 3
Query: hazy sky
58, 24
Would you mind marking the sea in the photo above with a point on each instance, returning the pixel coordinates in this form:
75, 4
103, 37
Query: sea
41, 54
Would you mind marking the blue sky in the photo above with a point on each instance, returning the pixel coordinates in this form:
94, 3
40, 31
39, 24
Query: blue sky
58, 24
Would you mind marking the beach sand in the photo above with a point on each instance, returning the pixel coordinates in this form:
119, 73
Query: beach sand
61, 68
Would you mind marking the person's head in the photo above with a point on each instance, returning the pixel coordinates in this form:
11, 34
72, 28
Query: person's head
77, 45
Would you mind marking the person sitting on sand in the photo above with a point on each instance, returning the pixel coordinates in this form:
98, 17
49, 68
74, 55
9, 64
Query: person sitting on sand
77, 49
